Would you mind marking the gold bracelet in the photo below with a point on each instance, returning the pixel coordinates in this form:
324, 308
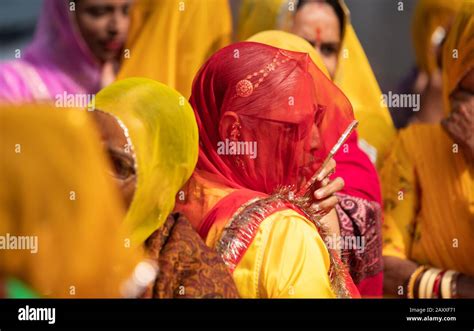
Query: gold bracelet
411, 281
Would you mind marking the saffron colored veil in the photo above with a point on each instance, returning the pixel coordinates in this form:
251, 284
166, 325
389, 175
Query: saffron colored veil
169, 40
164, 137
460, 43
288, 95
55, 188
431, 20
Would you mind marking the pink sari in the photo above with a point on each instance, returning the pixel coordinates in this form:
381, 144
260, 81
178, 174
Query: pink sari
56, 61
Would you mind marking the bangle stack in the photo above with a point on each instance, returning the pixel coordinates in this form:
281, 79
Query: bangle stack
432, 283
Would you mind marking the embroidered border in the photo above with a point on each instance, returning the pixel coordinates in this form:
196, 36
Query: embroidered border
240, 231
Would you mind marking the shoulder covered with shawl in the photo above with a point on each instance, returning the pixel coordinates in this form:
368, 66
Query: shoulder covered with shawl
188, 268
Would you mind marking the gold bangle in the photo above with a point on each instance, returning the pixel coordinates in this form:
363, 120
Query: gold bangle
411, 281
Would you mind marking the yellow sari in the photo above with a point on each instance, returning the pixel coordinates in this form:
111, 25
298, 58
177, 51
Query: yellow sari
53, 190
164, 137
169, 40
431, 19
376, 129
355, 78
427, 184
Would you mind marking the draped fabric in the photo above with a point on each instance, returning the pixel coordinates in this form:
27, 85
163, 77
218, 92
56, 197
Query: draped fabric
294, 115
164, 138
260, 15
359, 210
290, 42
284, 107
353, 76
428, 200
53, 190
271, 249
169, 40
431, 21
427, 184
353, 165
458, 55
361, 230
188, 268
56, 61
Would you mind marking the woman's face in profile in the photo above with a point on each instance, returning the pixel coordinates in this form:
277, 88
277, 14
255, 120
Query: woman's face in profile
120, 154
318, 23
103, 25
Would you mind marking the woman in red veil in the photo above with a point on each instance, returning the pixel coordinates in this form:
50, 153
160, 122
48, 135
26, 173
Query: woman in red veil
256, 108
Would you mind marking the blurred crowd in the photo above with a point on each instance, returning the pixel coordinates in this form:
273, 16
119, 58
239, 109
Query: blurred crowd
163, 149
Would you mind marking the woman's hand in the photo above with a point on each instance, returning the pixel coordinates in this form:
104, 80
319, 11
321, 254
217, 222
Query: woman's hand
324, 198
459, 126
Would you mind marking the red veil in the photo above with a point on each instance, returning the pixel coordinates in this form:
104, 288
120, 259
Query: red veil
278, 95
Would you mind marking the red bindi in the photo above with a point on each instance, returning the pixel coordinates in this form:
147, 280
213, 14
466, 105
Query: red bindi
318, 35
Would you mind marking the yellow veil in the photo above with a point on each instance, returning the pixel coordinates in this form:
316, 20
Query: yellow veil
53, 189
164, 137
354, 76
429, 16
291, 42
458, 51
169, 40
259, 15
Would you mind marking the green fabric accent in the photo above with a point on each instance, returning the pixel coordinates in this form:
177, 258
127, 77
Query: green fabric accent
18, 290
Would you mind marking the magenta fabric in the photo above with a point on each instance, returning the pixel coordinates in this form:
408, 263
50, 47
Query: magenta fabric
56, 61
359, 173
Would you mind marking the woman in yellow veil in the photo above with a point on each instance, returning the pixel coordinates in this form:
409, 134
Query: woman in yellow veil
430, 25
428, 186
351, 66
150, 133
169, 40
54, 199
